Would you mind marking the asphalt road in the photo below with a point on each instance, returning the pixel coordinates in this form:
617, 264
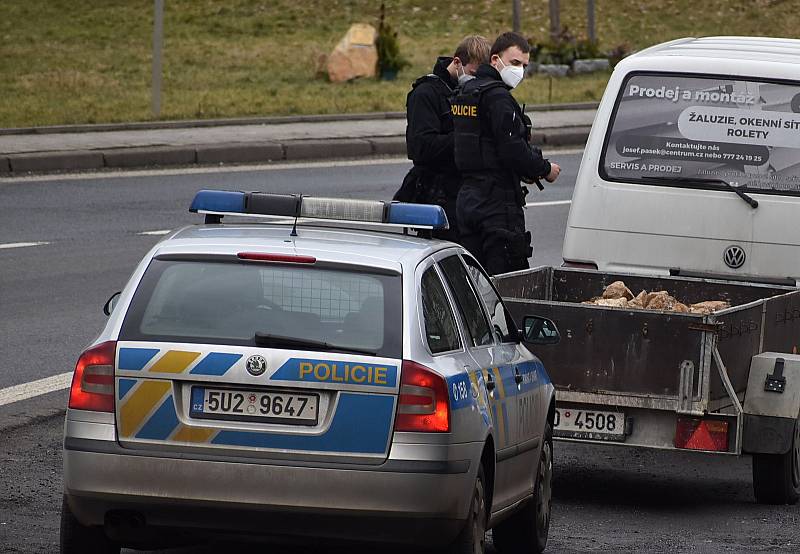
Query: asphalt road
51, 295
92, 228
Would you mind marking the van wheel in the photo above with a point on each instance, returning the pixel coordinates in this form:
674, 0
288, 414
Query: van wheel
80, 539
472, 538
526, 531
776, 477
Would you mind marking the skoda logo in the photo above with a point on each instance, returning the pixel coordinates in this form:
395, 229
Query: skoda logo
734, 257
256, 365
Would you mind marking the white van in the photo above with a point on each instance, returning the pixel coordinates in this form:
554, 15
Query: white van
692, 166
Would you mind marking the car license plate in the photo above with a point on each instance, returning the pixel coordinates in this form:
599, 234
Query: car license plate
589, 424
267, 406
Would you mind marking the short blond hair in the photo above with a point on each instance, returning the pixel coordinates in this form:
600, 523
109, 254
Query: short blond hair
474, 48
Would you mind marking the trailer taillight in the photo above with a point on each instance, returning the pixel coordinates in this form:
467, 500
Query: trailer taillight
701, 434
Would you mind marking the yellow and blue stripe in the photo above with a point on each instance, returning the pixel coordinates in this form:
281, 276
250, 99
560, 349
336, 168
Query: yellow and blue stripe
147, 412
176, 361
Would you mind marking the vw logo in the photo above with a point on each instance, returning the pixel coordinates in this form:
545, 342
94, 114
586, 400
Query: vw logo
734, 257
256, 365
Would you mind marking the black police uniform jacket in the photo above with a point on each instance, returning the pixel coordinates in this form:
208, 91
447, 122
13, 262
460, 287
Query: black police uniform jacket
493, 153
434, 178
505, 154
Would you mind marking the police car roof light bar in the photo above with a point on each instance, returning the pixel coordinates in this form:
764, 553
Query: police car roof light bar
258, 204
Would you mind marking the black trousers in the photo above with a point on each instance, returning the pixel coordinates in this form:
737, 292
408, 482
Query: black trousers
492, 226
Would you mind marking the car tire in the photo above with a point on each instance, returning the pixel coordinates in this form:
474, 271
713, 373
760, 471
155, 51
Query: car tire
526, 531
77, 538
776, 477
472, 538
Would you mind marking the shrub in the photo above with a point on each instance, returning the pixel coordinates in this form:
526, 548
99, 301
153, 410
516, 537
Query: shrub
565, 49
390, 61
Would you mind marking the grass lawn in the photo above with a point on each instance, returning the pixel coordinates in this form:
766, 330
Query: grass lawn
85, 62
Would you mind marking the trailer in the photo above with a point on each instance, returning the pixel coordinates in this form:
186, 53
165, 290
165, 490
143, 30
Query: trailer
726, 383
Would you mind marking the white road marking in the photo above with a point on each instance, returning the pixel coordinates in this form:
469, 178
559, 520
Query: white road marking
193, 170
550, 203
24, 391
156, 233
21, 244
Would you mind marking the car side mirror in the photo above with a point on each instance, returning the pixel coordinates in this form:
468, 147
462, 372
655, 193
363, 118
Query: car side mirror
540, 330
111, 303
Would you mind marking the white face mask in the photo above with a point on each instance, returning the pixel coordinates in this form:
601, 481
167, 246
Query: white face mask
464, 77
511, 74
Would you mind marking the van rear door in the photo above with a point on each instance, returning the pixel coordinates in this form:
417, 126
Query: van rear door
661, 202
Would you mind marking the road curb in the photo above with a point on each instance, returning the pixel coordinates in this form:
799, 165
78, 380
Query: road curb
55, 161
239, 153
321, 149
148, 156
233, 153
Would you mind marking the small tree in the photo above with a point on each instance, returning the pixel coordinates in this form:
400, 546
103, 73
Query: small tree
555, 19
390, 61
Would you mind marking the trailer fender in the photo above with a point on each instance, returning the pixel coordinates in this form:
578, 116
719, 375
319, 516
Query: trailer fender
771, 404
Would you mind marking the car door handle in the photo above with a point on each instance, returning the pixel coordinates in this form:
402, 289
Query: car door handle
490, 384
517, 376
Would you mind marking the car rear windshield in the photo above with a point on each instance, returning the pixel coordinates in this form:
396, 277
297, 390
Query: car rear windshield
230, 302
689, 130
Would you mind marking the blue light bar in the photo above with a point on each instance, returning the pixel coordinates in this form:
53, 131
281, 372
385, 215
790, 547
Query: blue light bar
416, 215
259, 204
218, 201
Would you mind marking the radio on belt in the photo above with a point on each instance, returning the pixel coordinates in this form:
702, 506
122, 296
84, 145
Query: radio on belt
218, 203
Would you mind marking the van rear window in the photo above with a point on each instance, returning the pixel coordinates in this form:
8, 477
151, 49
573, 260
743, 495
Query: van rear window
229, 302
689, 130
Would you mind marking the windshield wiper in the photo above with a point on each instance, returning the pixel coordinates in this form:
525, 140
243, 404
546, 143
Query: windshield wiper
266, 339
750, 200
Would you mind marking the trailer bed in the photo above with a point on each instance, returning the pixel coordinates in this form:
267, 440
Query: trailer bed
653, 359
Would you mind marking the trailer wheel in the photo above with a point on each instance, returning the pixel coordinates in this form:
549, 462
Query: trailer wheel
776, 477
526, 531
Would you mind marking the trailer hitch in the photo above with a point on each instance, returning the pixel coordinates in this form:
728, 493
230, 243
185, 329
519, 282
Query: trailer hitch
776, 382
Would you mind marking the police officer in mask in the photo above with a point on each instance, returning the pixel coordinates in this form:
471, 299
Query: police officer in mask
434, 178
493, 154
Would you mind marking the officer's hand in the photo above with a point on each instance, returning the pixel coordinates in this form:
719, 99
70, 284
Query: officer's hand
555, 170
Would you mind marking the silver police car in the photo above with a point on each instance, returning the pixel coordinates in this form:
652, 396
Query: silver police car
286, 381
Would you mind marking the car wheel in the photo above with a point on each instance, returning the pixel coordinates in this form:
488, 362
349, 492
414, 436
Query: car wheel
776, 477
526, 531
472, 538
80, 539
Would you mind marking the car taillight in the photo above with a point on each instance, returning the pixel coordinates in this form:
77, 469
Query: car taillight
93, 380
701, 434
424, 405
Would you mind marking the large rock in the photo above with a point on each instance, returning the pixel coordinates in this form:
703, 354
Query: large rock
588, 66
708, 307
556, 70
355, 55
612, 302
660, 300
617, 289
